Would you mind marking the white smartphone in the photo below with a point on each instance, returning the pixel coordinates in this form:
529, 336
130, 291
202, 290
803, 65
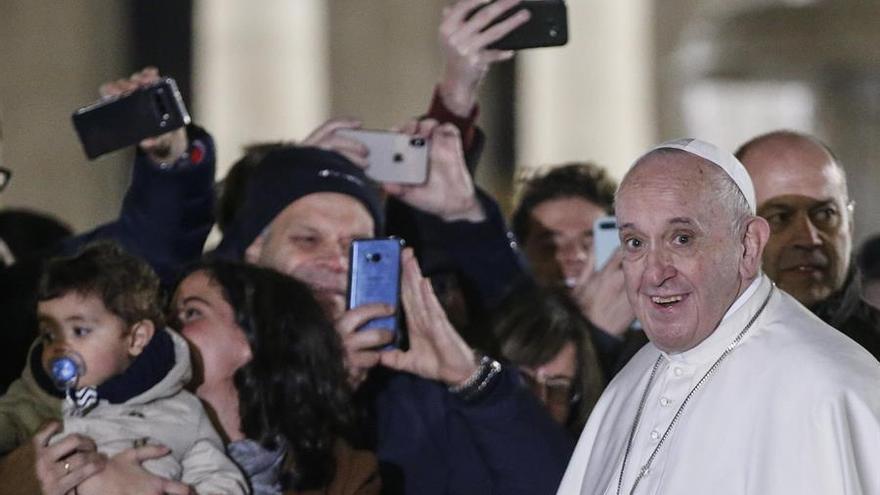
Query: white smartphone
605, 240
394, 157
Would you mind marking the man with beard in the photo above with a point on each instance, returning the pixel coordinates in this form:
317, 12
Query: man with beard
801, 191
741, 389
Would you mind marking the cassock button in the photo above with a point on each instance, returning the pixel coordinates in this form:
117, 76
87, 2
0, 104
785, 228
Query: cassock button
664, 401
655, 435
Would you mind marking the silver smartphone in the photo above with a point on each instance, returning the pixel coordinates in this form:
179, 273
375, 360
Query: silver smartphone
605, 240
394, 157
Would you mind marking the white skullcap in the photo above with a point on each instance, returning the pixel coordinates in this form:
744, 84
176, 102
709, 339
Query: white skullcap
723, 159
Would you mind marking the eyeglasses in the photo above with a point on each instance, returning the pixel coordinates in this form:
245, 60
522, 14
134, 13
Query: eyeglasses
5, 176
551, 390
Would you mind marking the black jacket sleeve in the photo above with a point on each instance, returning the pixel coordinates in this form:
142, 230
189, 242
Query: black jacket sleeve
167, 213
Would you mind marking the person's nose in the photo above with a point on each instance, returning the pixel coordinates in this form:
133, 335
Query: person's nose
658, 267
804, 231
571, 253
57, 348
334, 256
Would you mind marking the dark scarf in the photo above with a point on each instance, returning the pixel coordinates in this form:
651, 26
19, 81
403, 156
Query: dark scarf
846, 311
145, 372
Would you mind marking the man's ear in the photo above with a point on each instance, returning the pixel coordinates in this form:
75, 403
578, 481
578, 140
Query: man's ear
255, 250
139, 336
755, 237
851, 209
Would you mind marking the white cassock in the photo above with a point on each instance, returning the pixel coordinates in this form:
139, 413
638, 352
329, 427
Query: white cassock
793, 409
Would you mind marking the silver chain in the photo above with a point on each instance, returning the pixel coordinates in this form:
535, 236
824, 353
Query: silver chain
644, 470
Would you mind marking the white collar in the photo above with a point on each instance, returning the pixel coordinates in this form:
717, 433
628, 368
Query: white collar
736, 317
743, 297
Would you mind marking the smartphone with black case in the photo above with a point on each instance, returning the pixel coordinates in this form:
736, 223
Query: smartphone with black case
547, 26
125, 120
394, 157
605, 240
374, 277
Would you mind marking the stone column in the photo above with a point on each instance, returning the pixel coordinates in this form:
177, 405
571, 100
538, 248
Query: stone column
592, 99
260, 71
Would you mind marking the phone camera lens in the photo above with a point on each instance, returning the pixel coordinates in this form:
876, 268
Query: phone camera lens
374, 257
397, 158
417, 142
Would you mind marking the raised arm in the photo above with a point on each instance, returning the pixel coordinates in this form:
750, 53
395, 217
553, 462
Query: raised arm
167, 212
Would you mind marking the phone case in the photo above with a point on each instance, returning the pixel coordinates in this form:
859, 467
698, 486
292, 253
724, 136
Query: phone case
394, 157
123, 121
547, 26
374, 277
605, 240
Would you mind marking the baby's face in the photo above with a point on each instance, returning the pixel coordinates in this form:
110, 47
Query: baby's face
79, 324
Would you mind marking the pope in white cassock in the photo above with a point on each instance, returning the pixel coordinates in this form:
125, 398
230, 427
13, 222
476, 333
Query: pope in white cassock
741, 389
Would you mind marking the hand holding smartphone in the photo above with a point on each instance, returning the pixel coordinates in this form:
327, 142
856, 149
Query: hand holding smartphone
374, 277
121, 121
547, 26
394, 157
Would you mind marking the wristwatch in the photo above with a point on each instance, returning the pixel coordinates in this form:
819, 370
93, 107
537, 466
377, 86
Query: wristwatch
474, 387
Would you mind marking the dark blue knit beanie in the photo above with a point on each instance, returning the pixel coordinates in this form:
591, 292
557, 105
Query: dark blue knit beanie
287, 174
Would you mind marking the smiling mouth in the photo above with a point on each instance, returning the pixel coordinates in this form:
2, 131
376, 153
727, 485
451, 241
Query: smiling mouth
666, 301
808, 270
805, 268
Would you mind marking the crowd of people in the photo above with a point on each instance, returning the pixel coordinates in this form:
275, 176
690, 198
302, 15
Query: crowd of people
729, 345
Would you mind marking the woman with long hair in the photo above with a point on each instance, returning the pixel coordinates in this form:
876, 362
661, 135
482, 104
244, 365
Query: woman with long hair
271, 372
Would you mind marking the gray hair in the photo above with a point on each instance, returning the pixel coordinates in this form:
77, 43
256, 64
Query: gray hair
733, 200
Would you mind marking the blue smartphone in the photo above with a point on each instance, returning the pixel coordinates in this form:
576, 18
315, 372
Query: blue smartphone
374, 277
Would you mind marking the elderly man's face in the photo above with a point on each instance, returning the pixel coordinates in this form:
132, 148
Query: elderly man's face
310, 239
681, 260
559, 244
802, 194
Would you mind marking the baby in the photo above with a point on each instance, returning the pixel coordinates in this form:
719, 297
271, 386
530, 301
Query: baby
121, 372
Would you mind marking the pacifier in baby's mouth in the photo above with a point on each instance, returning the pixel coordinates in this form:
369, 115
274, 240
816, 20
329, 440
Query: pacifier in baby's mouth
67, 370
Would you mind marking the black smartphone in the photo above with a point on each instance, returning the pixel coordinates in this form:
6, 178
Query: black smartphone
547, 26
374, 277
125, 120
394, 157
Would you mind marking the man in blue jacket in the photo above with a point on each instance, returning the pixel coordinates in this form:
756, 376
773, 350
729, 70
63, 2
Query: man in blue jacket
465, 427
